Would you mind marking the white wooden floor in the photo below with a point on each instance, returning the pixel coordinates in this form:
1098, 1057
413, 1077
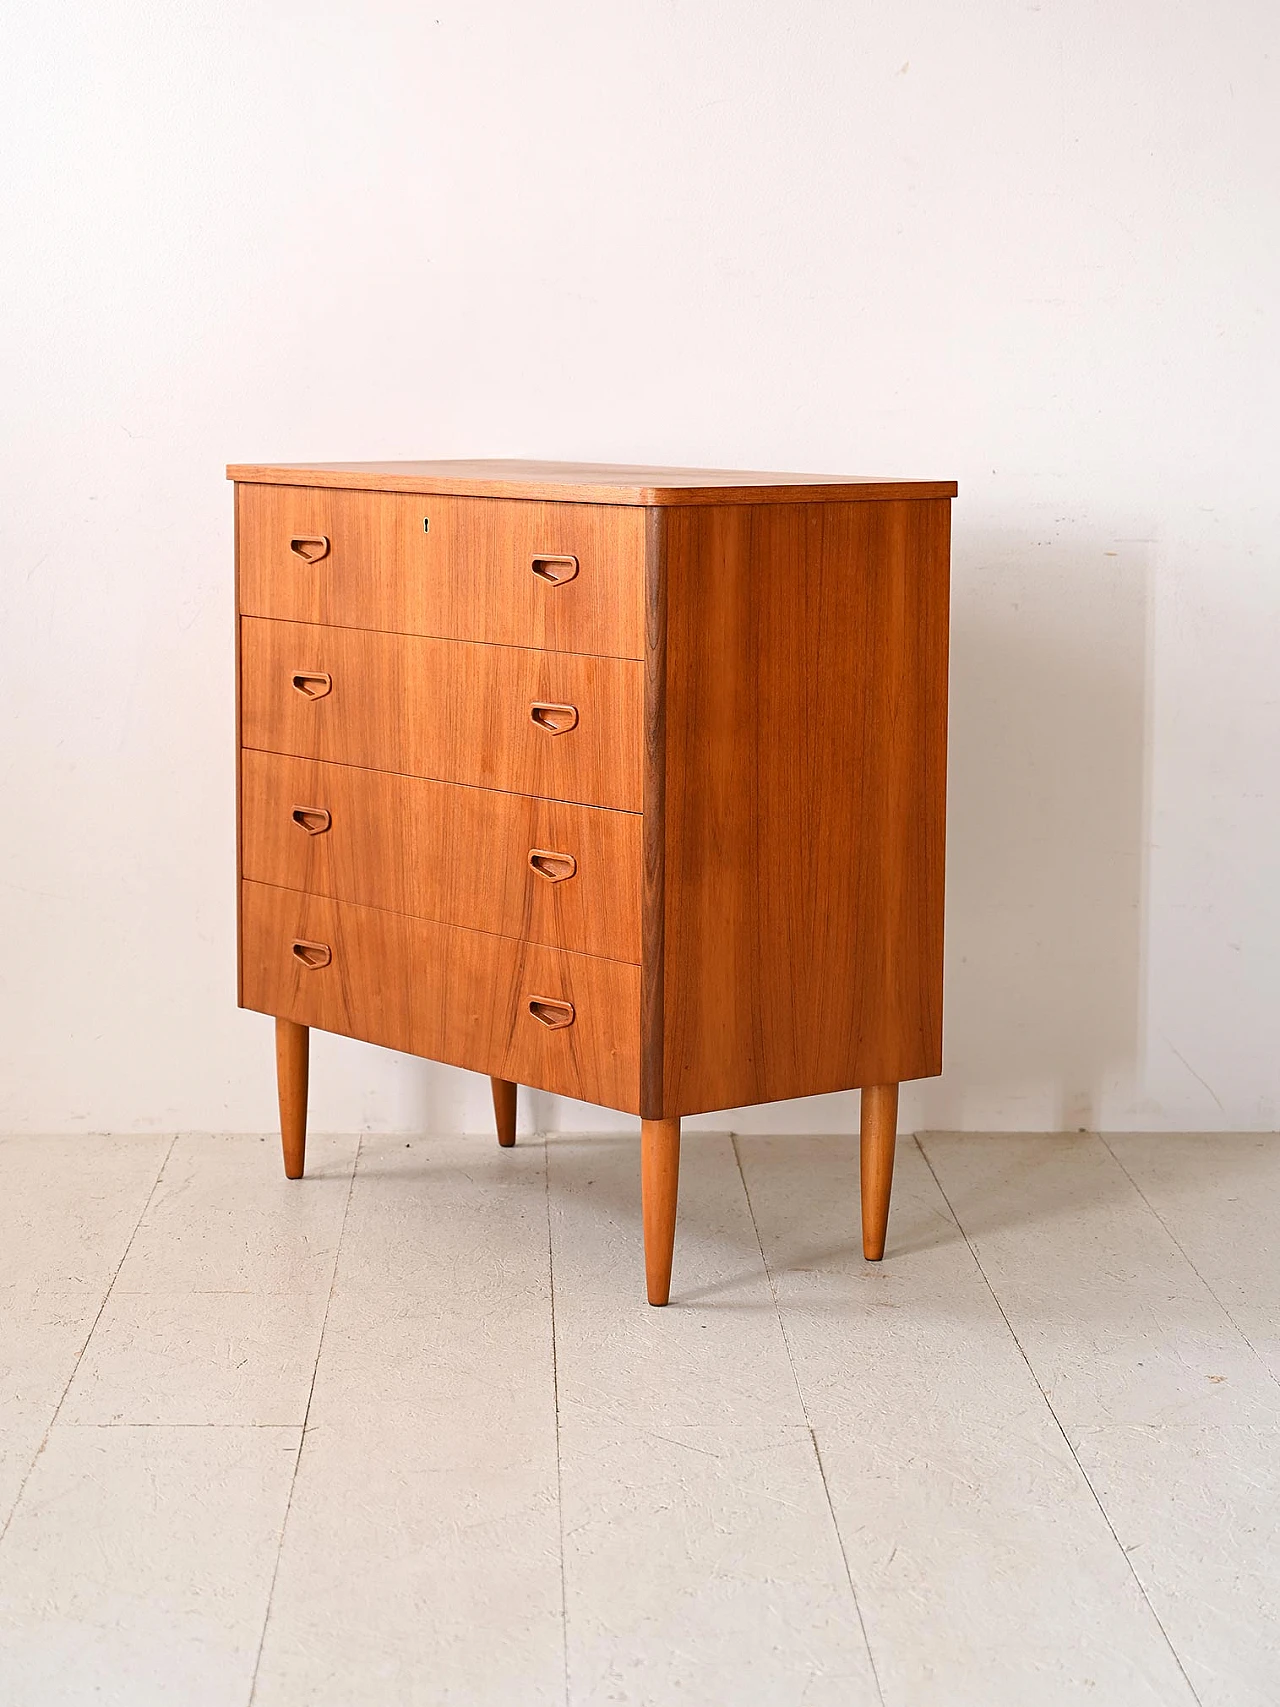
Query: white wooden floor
408, 1433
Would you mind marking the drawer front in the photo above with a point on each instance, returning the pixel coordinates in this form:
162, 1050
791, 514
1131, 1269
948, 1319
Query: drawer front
446, 709
568, 1023
569, 577
566, 876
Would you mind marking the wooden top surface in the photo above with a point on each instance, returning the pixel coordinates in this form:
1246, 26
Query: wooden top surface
588, 482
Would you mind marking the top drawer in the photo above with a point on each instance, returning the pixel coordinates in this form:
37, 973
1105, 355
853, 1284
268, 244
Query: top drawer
567, 577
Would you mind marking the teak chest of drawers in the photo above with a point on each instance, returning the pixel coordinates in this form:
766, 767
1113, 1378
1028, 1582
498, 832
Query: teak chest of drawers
623, 783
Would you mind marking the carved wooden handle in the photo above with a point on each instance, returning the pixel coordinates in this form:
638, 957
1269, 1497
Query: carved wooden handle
555, 719
555, 867
315, 820
310, 550
553, 1014
312, 684
313, 955
556, 570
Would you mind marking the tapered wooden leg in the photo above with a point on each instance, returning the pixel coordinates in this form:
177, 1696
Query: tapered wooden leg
293, 1050
504, 1110
659, 1184
879, 1133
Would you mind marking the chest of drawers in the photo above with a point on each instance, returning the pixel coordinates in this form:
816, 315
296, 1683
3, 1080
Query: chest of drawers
622, 783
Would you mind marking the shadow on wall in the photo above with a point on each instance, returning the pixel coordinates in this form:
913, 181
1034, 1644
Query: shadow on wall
1047, 827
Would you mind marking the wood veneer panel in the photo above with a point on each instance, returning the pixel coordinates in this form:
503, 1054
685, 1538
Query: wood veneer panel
589, 482
469, 576
451, 995
805, 719
652, 976
441, 851
235, 571
446, 709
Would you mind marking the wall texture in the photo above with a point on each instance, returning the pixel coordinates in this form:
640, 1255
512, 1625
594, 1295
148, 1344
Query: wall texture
1034, 247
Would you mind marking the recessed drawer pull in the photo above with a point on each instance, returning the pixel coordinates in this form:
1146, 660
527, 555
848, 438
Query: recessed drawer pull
315, 820
555, 867
555, 570
312, 684
555, 719
551, 1013
310, 550
313, 955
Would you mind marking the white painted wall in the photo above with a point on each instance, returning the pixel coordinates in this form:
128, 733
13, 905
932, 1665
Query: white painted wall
1033, 247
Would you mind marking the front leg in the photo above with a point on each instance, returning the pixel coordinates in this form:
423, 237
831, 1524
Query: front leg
293, 1049
504, 1110
879, 1136
659, 1185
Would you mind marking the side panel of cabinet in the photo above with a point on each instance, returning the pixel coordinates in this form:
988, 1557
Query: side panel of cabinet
803, 777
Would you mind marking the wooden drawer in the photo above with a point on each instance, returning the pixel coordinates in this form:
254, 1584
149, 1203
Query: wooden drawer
453, 995
569, 577
445, 709
566, 876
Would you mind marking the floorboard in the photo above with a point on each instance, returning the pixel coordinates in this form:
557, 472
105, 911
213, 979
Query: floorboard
986, 1573
407, 1433
1172, 1414
421, 1560
702, 1562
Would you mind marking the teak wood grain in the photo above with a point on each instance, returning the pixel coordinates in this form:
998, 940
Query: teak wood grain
453, 995
589, 482
804, 793
653, 913
655, 821
479, 569
445, 709
442, 851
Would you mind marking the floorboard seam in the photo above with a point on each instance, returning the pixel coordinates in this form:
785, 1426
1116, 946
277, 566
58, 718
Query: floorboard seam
1129, 1566
1208, 1285
62, 1397
813, 1439
242, 1427
302, 1432
555, 1388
